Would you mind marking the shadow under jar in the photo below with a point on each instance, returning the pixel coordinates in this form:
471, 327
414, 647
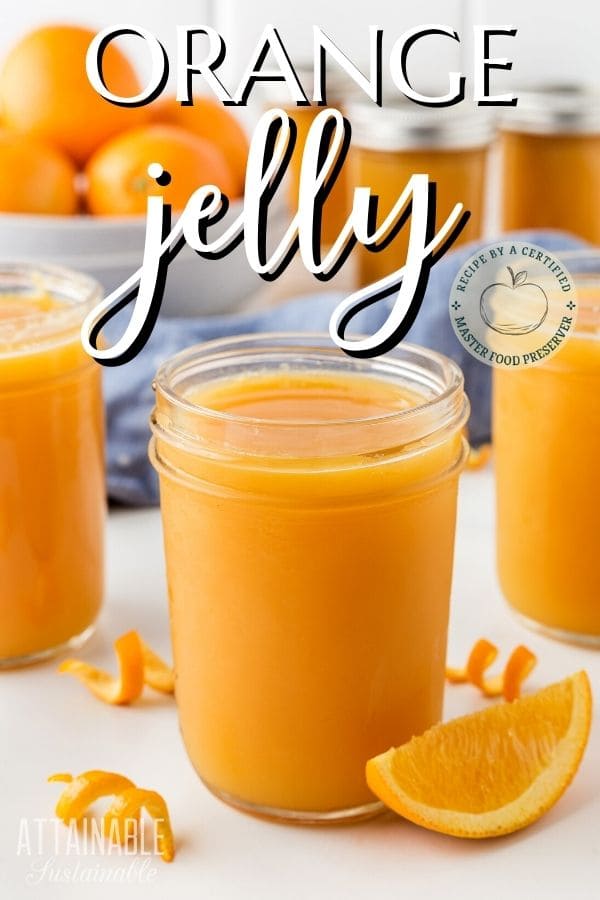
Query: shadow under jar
546, 427
308, 504
392, 143
52, 494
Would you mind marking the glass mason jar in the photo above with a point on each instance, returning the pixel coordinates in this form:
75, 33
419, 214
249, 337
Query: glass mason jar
550, 146
396, 141
546, 426
52, 495
308, 504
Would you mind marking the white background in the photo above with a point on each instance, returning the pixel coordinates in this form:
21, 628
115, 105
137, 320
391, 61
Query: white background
557, 40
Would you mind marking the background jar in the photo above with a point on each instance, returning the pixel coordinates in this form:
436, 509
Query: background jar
309, 567
546, 430
336, 208
52, 496
550, 148
401, 139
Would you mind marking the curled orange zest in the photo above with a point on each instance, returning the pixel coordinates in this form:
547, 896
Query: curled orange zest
130, 682
126, 807
157, 674
519, 665
480, 658
138, 665
85, 789
479, 457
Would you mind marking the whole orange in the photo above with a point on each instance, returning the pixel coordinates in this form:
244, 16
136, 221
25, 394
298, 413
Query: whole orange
212, 121
36, 177
45, 92
117, 174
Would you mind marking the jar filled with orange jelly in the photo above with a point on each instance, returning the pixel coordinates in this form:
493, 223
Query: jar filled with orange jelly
550, 145
308, 504
546, 424
52, 496
400, 139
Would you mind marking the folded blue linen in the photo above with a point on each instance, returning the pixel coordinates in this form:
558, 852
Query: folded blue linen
128, 389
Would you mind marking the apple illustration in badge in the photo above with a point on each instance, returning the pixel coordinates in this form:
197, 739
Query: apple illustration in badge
516, 308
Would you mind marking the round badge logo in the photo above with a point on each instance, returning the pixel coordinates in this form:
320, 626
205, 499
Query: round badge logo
513, 305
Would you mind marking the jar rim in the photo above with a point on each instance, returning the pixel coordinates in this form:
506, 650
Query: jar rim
559, 109
77, 291
445, 407
401, 125
584, 267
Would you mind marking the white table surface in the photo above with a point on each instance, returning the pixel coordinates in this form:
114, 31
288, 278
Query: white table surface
50, 723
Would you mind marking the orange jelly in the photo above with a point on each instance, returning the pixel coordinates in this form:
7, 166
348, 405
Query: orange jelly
51, 465
308, 506
391, 144
547, 447
550, 147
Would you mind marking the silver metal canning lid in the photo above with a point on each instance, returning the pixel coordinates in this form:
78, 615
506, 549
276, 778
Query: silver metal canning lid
555, 109
403, 125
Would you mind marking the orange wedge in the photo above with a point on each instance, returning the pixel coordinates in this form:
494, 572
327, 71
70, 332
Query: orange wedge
492, 772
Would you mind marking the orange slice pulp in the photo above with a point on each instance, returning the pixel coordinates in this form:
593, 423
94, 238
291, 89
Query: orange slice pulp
491, 772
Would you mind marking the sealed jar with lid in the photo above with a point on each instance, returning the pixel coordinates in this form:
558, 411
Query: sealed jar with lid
52, 496
546, 424
401, 139
308, 504
551, 162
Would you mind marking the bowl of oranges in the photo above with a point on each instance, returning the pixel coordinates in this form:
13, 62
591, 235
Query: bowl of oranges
74, 169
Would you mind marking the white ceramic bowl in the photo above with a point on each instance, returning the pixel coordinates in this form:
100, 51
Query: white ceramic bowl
110, 249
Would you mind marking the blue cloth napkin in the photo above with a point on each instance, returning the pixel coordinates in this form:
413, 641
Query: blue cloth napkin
129, 395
